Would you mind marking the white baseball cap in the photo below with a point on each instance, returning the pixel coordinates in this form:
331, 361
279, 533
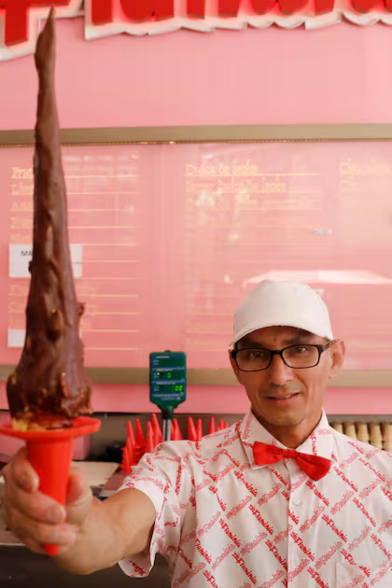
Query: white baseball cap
282, 304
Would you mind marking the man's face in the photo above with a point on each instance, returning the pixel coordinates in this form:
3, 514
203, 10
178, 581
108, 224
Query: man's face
282, 396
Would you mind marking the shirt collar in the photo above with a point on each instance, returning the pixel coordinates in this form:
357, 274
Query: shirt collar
320, 442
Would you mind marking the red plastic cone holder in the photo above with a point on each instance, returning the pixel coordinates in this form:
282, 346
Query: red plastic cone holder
50, 454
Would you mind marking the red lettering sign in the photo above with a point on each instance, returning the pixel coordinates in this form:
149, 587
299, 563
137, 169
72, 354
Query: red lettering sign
365, 6
17, 14
292, 6
196, 8
20, 19
262, 6
323, 6
228, 8
102, 11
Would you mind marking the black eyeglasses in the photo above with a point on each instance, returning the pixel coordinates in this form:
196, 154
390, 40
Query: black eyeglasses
298, 357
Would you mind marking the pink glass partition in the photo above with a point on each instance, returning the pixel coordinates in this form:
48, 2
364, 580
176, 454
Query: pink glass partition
166, 239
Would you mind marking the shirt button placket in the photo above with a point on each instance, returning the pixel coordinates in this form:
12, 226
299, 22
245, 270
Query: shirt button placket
294, 505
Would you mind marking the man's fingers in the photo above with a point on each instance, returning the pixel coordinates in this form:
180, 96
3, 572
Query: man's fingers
79, 498
21, 472
34, 546
78, 485
35, 505
37, 519
20, 493
37, 534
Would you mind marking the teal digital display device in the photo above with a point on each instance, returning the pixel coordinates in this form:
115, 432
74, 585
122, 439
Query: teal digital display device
167, 380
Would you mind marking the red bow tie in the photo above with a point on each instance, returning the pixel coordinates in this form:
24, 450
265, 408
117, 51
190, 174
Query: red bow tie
313, 465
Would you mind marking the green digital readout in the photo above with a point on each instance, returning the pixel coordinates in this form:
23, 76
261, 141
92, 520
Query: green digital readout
166, 375
168, 388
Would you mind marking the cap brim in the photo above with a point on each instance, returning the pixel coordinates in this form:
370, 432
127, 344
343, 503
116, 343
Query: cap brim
296, 325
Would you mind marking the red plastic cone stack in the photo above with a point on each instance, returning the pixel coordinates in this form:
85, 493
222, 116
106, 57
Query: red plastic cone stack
199, 430
130, 434
179, 436
158, 436
173, 431
150, 439
125, 465
140, 441
191, 430
131, 445
212, 426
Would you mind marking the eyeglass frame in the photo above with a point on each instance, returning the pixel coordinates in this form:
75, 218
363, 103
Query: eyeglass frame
320, 349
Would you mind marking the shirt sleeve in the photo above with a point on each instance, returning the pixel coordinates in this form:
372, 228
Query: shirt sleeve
162, 476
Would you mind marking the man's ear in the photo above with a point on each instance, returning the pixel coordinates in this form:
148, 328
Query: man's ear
338, 353
238, 373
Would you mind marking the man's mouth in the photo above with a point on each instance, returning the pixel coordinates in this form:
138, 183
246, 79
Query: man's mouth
283, 398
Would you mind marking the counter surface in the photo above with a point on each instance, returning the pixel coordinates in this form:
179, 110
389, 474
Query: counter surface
21, 568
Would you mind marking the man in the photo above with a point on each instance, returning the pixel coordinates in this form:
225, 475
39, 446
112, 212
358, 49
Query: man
279, 499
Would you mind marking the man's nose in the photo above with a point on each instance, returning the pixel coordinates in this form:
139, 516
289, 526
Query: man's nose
279, 373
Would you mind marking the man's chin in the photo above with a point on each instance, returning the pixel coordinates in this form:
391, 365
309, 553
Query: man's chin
281, 418
284, 420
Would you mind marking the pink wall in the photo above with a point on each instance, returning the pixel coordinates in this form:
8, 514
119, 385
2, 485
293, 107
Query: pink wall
335, 75
340, 74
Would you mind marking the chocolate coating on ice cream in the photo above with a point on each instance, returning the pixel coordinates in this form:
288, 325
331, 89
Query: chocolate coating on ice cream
49, 387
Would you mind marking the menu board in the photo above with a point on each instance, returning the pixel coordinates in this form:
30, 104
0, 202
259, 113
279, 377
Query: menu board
108, 213
166, 239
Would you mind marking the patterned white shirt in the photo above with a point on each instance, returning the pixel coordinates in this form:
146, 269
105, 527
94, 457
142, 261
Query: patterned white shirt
224, 521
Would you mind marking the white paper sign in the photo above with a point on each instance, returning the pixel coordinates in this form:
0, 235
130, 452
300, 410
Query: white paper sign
20, 257
16, 337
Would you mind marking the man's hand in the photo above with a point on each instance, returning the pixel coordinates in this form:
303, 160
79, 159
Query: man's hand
91, 534
35, 518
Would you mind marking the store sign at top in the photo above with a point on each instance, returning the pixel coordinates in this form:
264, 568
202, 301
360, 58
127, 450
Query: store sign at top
20, 20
